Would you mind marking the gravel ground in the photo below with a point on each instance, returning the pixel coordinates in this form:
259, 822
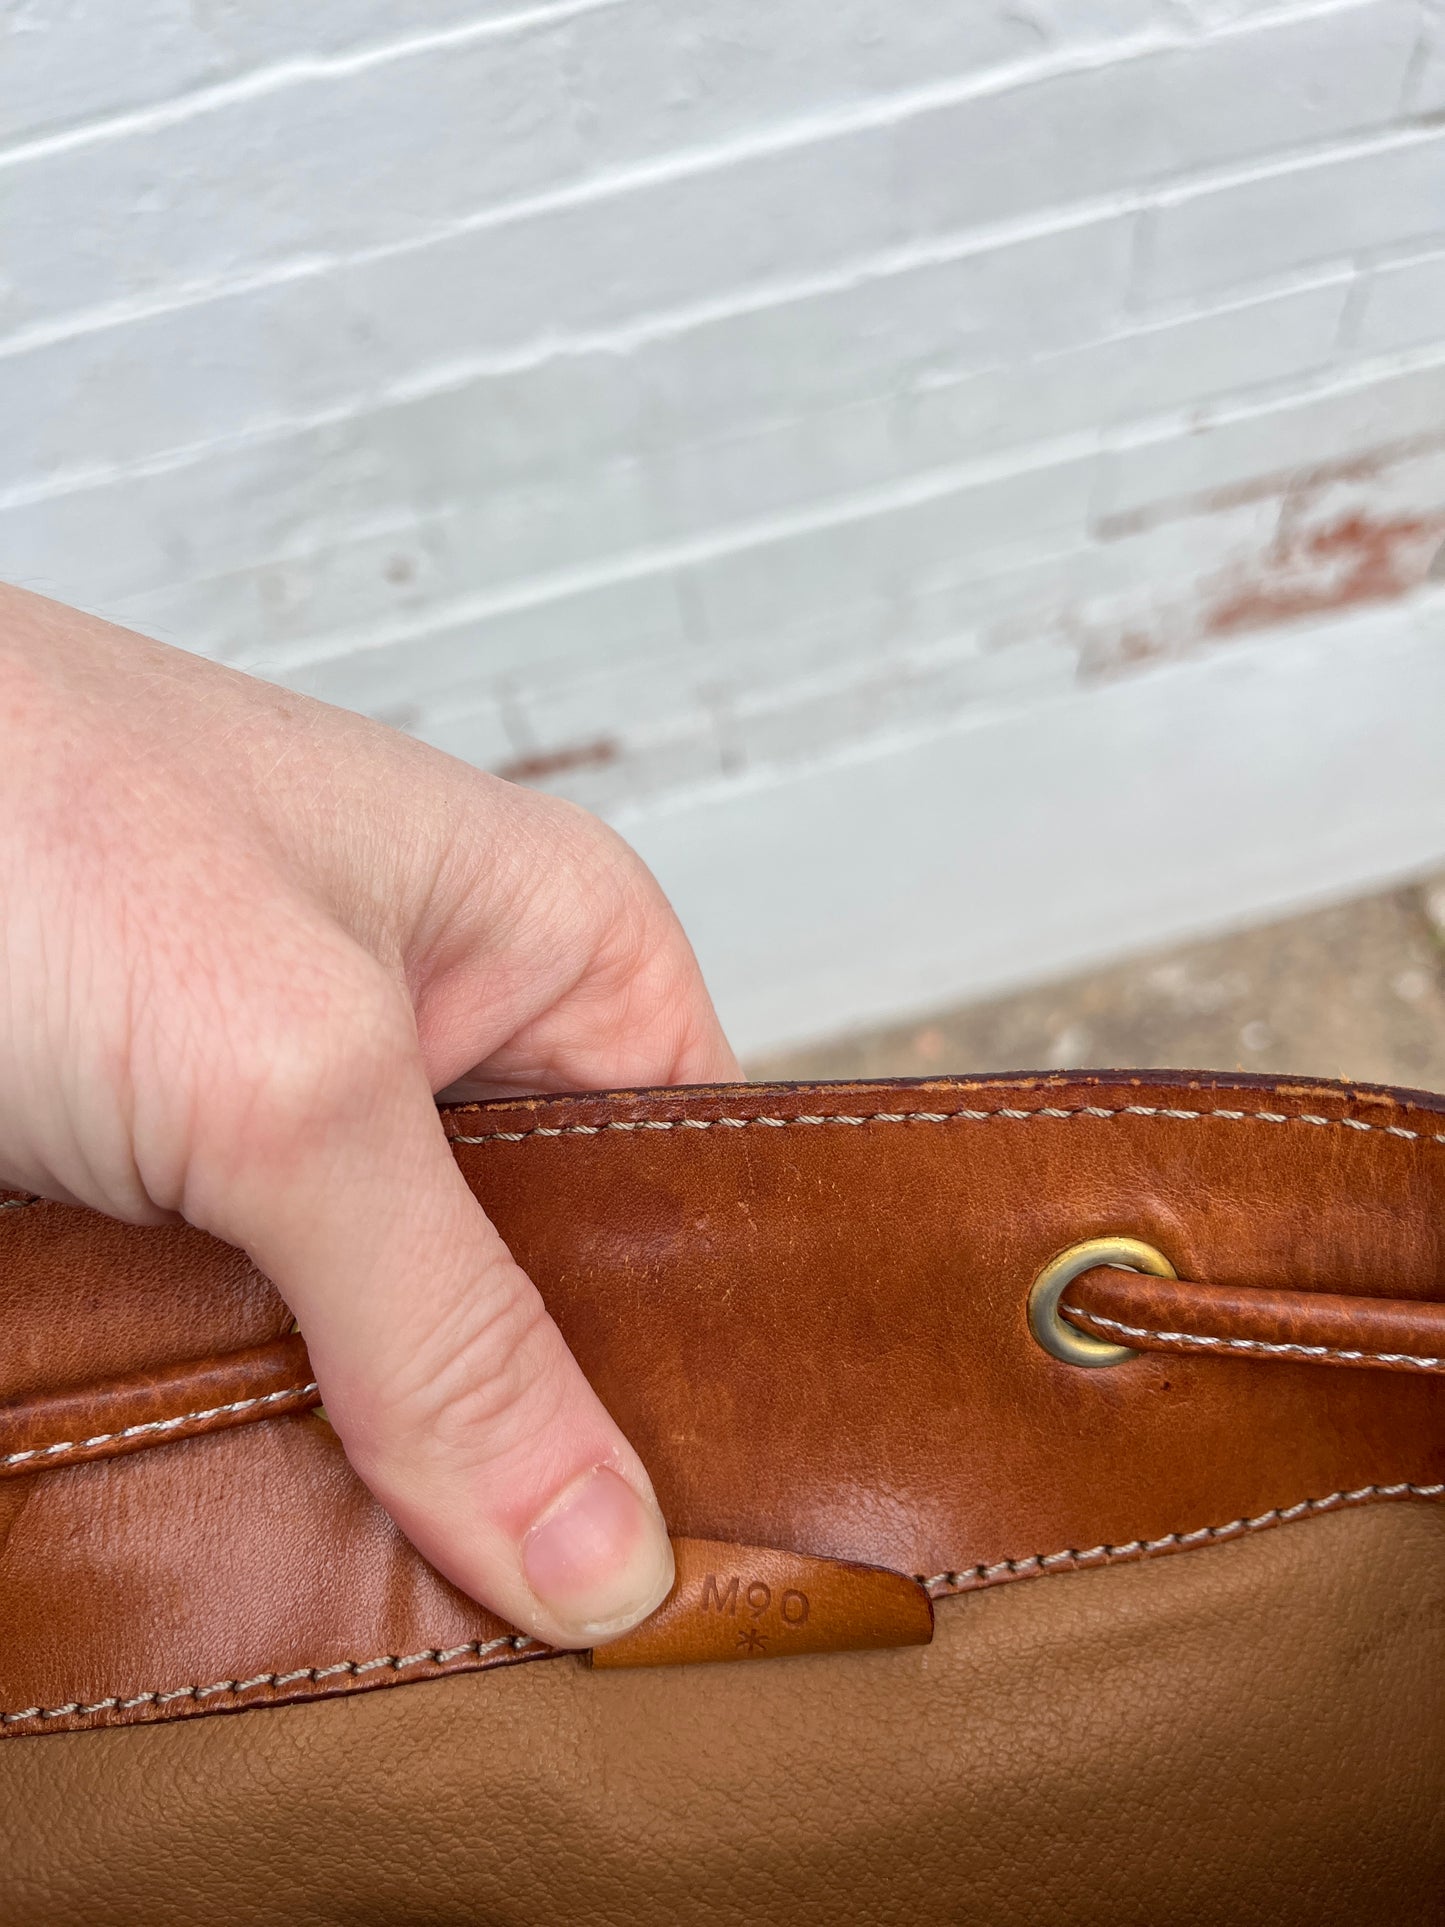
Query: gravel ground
1355, 991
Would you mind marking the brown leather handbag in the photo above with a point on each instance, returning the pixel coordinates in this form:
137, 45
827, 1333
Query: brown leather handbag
1072, 1440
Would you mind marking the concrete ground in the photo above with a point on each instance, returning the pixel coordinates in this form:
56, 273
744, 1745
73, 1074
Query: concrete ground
1355, 991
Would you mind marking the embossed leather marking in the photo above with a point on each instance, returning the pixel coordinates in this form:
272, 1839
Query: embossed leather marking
753, 1602
805, 1306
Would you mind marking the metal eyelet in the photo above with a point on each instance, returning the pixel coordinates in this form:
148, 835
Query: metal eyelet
1065, 1341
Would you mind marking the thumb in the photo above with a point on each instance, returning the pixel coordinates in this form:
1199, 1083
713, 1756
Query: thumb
450, 1387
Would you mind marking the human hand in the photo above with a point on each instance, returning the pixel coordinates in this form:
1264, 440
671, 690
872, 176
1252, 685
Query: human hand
246, 938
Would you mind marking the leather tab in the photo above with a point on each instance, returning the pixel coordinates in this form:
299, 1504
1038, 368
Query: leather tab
753, 1602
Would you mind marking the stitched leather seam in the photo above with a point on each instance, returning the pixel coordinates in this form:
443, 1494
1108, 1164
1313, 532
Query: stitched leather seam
971, 1579
974, 1578
1272, 1348
948, 1117
433, 1656
914, 1117
154, 1428
941, 1584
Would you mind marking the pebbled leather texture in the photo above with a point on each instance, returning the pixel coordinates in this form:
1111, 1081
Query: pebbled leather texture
807, 1307
1247, 1737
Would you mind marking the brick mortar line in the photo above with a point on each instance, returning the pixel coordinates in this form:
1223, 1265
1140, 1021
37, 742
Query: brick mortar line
735, 541
302, 68
623, 179
842, 115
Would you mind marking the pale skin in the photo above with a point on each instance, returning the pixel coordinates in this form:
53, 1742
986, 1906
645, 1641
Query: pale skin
246, 938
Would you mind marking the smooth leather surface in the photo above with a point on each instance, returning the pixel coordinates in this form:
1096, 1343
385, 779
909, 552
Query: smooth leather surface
745, 1603
806, 1306
1244, 1737
135, 1413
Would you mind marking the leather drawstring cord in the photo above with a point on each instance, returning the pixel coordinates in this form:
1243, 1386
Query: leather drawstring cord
1155, 1314
155, 1408
1128, 1309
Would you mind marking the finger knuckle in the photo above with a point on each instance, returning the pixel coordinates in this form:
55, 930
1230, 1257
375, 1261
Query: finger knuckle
488, 1390
320, 1038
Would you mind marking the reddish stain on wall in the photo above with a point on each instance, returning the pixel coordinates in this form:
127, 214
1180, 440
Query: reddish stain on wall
1357, 558
559, 762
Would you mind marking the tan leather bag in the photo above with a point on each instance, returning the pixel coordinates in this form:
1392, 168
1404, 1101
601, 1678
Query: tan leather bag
1105, 1574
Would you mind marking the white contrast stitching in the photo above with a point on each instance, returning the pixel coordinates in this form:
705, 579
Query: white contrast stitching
946, 1117
433, 1656
1271, 1348
973, 1578
970, 1579
941, 1584
156, 1426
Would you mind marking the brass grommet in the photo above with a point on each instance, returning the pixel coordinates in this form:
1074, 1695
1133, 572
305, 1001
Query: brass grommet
1065, 1341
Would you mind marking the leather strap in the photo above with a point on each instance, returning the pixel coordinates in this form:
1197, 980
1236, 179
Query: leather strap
1125, 1307
1232, 1321
806, 1306
155, 1408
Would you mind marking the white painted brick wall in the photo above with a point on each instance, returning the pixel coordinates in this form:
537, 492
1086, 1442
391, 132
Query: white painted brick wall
1249, 228
669, 401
